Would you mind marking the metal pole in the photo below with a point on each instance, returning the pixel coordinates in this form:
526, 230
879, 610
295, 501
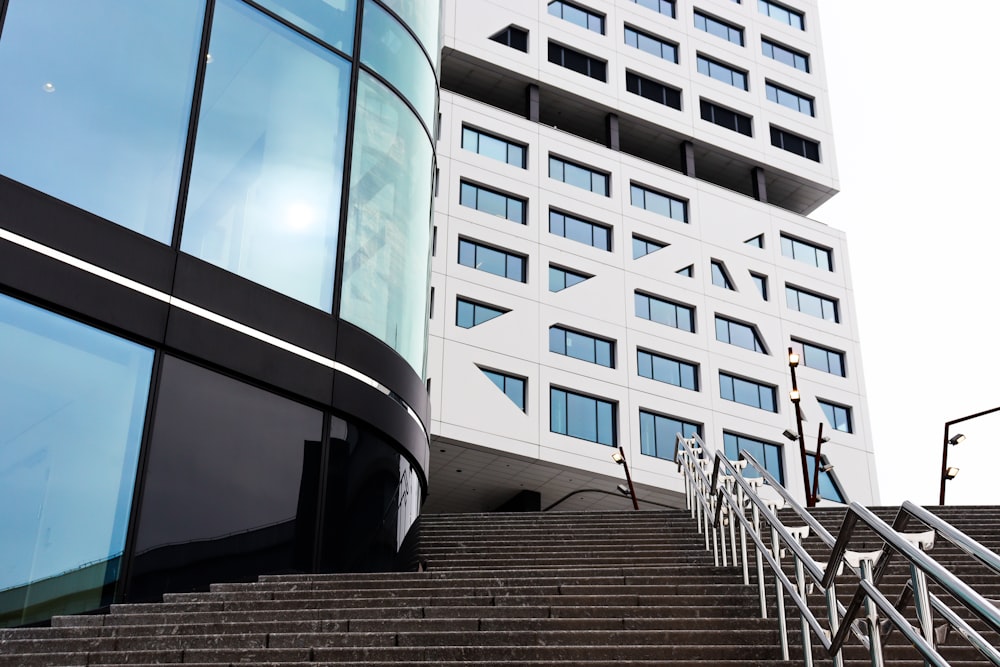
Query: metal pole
819, 461
802, 440
628, 478
944, 451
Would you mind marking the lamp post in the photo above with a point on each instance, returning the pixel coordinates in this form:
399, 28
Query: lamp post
946, 472
619, 458
796, 397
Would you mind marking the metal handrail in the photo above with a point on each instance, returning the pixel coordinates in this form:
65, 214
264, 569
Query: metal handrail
712, 501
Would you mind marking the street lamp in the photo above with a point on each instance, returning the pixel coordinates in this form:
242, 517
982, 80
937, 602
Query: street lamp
619, 458
946, 472
796, 398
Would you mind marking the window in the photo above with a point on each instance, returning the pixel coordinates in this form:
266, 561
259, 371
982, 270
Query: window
809, 303
514, 37
643, 41
582, 346
665, 7
492, 260
687, 271
784, 54
584, 18
659, 202
560, 279
642, 247
469, 314
838, 416
821, 358
578, 62
793, 143
668, 370
719, 276
760, 281
493, 202
727, 118
571, 173
809, 253
582, 231
738, 334
657, 309
658, 434
791, 99
583, 417
747, 392
792, 17
722, 72
756, 242
767, 454
828, 487
494, 147
653, 90
510, 385
718, 27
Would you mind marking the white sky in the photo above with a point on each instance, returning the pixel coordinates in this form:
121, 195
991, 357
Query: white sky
916, 114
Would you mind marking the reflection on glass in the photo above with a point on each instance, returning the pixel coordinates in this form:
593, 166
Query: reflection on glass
423, 18
391, 51
72, 405
387, 249
264, 200
95, 104
330, 20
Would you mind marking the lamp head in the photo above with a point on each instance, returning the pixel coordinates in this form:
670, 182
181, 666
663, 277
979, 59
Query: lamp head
955, 439
622, 490
793, 359
826, 467
618, 458
790, 434
951, 473
795, 395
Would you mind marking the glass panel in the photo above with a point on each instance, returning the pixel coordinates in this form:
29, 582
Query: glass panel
645, 364
492, 147
746, 392
557, 280
495, 378
424, 18
493, 203
96, 102
387, 249
557, 417
264, 200
468, 195
688, 378
581, 415
332, 22
647, 434
72, 407
666, 436
603, 353
602, 238
642, 306
605, 423
685, 319
557, 340
390, 50
663, 312
515, 391
465, 315
666, 370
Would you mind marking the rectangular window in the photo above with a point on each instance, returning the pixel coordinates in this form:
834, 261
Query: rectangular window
747, 392
514, 37
738, 334
838, 416
493, 202
829, 489
821, 358
760, 281
658, 434
809, 253
494, 147
578, 62
767, 454
668, 370
585, 347
585, 18
793, 143
470, 313
560, 278
722, 72
583, 417
510, 385
660, 203
665, 7
727, 118
791, 99
786, 15
657, 309
811, 303
656, 46
501, 263
786, 55
653, 90
598, 182
582, 231
642, 247
718, 27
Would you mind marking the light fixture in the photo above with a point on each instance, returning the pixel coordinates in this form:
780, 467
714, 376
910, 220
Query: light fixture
956, 439
793, 359
794, 395
827, 467
618, 458
951, 473
790, 434
622, 490
824, 439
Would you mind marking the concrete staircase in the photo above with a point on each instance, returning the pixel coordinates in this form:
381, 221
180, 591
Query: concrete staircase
616, 588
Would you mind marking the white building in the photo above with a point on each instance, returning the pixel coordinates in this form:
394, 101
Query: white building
658, 157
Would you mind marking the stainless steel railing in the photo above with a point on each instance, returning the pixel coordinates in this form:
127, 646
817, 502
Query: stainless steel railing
720, 504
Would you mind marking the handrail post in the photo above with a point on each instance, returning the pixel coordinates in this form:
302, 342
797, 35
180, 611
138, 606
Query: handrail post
761, 593
871, 612
833, 616
922, 603
780, 594
741, 499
